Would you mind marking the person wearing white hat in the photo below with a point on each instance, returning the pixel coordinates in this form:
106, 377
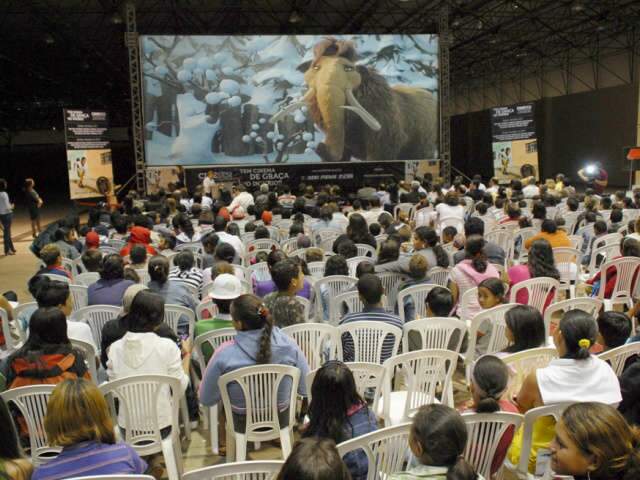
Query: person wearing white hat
226, 288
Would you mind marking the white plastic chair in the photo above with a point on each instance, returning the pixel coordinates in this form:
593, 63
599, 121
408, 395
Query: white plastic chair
367, 376
259, 385
568, 261
206, 305
590, 305
523, 363
353, 263
418, 295
485, 431
172, 315
90, 354
325, 235
390, 282
96, 316
435, 333
618, 356
258, 270
439, 276
423, 373
32, 404
335, 284
115, 477
365, 250
314, 339
289, 245
262, 244
445, 222
369, 338
387, 450
576, 241
212, 339
405, 207
316, 269
87, 278
600, 255
59, 278
11, 344
137, 397
608, 239
627, 269
467, 299
194, 247
256, 470
539, 290
524, 234
143, 273
106, 250
504, 239
80, 296
17, 312
78, 267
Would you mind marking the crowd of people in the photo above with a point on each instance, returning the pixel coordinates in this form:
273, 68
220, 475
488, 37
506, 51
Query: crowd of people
258, 262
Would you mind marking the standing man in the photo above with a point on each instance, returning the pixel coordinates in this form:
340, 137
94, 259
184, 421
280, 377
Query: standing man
595, 176
209, 184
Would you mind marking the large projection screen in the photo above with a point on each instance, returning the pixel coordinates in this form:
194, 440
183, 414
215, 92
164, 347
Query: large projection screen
289, 99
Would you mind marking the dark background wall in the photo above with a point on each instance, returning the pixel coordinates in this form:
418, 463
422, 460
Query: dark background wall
572, 131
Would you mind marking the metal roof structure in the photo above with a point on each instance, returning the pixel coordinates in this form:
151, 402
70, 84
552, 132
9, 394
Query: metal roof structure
72, 53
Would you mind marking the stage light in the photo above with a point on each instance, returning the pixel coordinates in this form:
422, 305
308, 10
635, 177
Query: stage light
49, 40
295, 17
116, 19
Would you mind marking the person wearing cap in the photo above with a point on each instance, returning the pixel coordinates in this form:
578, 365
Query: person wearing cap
226, 288
91, 240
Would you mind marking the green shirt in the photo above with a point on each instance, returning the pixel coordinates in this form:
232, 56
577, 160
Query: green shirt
204, 326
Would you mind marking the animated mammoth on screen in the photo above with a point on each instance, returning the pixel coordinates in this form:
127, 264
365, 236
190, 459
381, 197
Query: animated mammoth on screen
360, 113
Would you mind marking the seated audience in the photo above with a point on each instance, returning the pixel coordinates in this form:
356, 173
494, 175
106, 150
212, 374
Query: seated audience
629, 248
314, 459
186, 272
417, 276
614, 329
112, 284
92, 260
550, 233
540, 263
138, 257
475, 226
283, 304
64, 239
339, 413
13, 463
79, 420
138, 236
525, 329
50, 255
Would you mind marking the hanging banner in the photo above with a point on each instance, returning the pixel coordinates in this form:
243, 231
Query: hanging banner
515, 144
88, 153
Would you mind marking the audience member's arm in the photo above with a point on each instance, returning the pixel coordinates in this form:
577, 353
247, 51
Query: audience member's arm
454, 290
529, 395
4, 303
179, 367
301, 363
209, 393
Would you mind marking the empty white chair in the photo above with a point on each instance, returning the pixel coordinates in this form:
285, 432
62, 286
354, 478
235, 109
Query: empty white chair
439, 276
600, 255
365, 250
504, 239
86, 278
485, 431
80, 296
314, 339
525, 362
540, 290
387, 450
369, 340
390, 282
576, 241
590, 305
435, 333
137, 398
568, 262
424, 373
96, 316
259, 386
32, 404
257, 470
418, 295
203, 347
174, 313
316, 269
617, 357
259, 271
626, 269
90, 355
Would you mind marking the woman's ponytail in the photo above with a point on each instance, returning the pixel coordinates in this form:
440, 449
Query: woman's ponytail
488, 405
461, 470
442, 259
249, 310
264, 352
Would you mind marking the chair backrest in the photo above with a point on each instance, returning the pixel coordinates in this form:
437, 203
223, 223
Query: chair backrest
369, 338
347, 302
206, 305
255, 470
467, 299
78, 267
316, 340
405, 207
626, 274
327, 235
523, 235
445, 222
260, 271
439, 276
117, 244
173, 314
485, 431
259, 385
608, 239
10, 343
334, 284
32, 404
617, 357
576, 241
353, 263
540, 291
143, 273
503, 238
137, 397
262, 244
289, 245
80, 296
418, 295
590, 305
86, 278
390, 282
106, 250
195, 247
59, 278
17, 312
523, 363
602, 254
211, 340
568, 262
89, 353
425, 373
387, 449
96, 316
498, 339
316, 269
435, 333
115, 477
365, 250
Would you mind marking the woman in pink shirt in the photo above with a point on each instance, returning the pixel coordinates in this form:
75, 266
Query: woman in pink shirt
540, 263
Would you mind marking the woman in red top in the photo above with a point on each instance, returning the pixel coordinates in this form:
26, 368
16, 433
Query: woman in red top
139, 235
629, 248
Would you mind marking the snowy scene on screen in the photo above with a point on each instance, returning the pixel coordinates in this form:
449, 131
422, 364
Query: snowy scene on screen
289, 98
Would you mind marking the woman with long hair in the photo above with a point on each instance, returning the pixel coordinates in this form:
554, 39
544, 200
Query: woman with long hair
13, 463
540, 263
426, 242
525, 329
79, 420
594, 442
338, 412
470, 272
358, 231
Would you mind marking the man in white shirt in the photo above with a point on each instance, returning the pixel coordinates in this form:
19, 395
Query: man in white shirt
219, 226
208, 184
241, 198
371, 215
531, 190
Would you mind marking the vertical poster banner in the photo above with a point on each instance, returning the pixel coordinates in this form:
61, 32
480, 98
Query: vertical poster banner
515, 146
88, 153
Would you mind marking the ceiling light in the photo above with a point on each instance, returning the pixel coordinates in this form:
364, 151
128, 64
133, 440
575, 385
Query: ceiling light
295, 17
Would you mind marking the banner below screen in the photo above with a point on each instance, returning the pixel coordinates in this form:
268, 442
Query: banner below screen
88, 153
514, 140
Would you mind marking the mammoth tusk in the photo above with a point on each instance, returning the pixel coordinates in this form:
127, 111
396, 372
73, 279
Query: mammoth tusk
292, 106
360, 110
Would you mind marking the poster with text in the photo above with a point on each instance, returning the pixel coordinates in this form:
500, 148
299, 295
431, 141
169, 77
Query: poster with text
514, 142
289, 99
89, 165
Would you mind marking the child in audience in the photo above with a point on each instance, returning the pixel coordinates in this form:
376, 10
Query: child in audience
448, 234
314, 459
437, 439
92, 259
489, 382
439, 302
525, 329
338, 412
50, 255
257, 342
375, 229
365, 267
79, 420
490, 294
418, 267
283, 304
138, 257
314, 254
614, 329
